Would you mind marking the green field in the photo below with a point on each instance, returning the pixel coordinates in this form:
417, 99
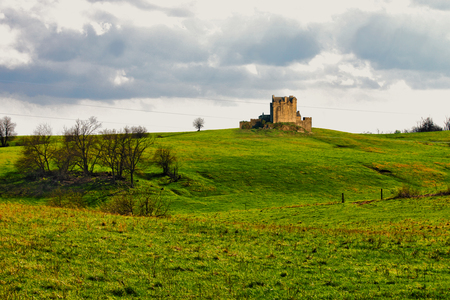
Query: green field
256, 215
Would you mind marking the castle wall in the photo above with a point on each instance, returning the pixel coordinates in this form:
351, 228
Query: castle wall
306, 123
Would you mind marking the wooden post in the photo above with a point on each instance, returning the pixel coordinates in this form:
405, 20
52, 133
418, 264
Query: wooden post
343, 198
381, 194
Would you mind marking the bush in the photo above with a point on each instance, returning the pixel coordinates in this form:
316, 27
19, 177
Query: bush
138, 203
406, 192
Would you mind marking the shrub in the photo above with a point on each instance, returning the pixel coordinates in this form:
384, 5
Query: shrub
406, 192
138, 203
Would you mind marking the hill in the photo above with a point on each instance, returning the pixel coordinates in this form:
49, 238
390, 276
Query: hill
236, 169
256, 215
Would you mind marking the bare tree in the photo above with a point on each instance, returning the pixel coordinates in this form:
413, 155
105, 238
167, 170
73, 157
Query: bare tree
38, 151
7, 132
447, 123
84, 141
198, 123
136, 141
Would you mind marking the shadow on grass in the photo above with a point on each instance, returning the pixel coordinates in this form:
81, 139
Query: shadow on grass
166, 135
14, 185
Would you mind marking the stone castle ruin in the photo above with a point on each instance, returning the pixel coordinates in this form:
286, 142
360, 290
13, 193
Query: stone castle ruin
282, 110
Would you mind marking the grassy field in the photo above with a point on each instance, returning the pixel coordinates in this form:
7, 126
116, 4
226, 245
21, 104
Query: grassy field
256, 215
387, 249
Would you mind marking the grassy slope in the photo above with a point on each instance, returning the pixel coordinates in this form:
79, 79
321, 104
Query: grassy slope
233, 169
246, 224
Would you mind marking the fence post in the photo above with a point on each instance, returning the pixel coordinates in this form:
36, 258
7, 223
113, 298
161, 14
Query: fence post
381, 194
343, 198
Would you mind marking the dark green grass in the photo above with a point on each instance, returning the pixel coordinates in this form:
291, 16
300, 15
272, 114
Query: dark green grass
395, 249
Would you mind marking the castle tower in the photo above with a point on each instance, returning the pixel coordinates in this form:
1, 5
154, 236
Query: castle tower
283, 109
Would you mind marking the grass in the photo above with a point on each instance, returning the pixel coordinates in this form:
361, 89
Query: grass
256, 215
385, 249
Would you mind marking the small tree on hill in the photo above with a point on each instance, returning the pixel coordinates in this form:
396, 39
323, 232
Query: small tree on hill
7, 132
199, 123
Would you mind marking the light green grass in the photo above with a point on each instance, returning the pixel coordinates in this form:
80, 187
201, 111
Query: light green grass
395, 249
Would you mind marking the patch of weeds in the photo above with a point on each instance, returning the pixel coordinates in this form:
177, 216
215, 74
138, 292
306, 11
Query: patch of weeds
254, 284
406, 192
96, 278
125, 291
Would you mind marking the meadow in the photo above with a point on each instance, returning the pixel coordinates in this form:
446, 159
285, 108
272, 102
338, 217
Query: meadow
256, 215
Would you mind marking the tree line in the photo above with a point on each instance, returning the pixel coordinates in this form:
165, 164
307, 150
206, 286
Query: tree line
83, 147
428, 125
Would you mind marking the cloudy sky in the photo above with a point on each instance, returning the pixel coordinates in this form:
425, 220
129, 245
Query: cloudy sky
354, 65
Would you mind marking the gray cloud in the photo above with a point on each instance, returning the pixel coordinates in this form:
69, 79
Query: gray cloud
141, 4
398, 47
159, 61
267, 40
393, 44
436, 4
196, 61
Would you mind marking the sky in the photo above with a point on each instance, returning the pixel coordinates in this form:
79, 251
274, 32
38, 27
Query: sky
354, 65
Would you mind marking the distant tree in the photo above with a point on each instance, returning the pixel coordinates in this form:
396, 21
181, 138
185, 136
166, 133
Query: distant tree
37, 152
7, 132
426, 125
199, 123
83, 140
447, 123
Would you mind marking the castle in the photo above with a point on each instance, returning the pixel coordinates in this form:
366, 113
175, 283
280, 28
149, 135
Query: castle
282, 110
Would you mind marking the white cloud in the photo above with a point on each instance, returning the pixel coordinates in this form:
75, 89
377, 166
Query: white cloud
100, 27
121, 78
10, 57
251, 68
